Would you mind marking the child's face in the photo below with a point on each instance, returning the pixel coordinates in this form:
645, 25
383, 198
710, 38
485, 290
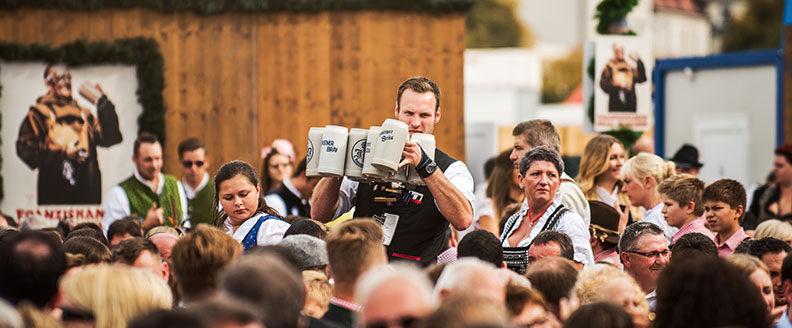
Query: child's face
722, 217
676, 215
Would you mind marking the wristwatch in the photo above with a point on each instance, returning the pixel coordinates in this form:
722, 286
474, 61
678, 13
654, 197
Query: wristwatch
427, 170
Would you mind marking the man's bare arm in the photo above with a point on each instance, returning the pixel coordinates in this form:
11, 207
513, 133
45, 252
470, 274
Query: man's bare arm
325, 199
450, 201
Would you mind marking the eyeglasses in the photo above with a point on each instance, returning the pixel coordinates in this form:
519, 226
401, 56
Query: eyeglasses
190, 163
406, 322
652, 255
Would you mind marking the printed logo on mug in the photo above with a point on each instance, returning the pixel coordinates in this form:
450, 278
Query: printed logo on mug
332, 154
392, 137
313, 153
356, 150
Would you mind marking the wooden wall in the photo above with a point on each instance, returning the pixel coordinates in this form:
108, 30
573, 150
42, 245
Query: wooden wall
238, 81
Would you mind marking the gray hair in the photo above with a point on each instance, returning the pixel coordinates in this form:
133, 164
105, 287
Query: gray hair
629, 238
461, 275
372, 280
541, 153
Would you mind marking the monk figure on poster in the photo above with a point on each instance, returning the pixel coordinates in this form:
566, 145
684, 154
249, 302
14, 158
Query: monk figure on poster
59, 138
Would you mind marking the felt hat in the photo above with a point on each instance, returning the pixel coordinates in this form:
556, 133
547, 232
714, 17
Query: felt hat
604, 222
687, 157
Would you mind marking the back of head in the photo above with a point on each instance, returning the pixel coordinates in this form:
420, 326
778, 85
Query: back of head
599, 315
465, 310
593, 284
538, 133
747, 263
728, 191
560, 238
646, 165
134, 292
127, 251
123, 227
774, 228
303, 226
31, 262
518, 296
353, 247
683, 189
768, 245
222, 311
89, 230
93, 250
554, 277
274, 288
786, 269
199, 257
482, 245
311, 251
693, 244
168, 319
708, 292
378, 288
470, 276
631, 235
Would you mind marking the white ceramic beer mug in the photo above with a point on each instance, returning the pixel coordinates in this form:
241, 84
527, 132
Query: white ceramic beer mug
356, 152
390, 145
427, 143
312, 155
333, 151
370, 172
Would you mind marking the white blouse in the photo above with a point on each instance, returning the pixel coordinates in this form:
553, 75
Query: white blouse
270, 232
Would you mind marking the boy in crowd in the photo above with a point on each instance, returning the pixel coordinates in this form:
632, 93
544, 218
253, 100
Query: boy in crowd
682, 207
724, 203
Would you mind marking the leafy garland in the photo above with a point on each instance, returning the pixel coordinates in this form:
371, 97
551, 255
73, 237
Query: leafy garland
207, 7
142, 52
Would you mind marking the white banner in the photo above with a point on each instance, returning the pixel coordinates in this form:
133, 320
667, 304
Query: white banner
622, 83
63, 147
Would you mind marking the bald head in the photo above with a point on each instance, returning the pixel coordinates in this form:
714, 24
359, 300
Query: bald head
164, 244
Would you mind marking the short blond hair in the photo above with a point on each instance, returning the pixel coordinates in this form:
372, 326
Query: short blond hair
774, 228
318, 292
747, 263
592, 283
115, 293
683, 189
353, 247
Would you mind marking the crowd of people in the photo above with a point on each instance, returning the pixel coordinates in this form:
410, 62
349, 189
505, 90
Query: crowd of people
632, 241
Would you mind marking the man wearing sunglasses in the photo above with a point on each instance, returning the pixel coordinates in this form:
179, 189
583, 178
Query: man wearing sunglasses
197, 185
644, 252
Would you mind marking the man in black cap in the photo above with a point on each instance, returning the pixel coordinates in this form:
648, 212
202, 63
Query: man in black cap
604, 229
687, 160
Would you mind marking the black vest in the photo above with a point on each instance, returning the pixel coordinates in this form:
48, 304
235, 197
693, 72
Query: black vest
293, 203
422, 232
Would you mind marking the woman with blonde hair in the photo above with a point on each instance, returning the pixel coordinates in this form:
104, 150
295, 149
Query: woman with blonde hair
774, 228
641, 175
111, 295
600, 168
606, 283
757, 271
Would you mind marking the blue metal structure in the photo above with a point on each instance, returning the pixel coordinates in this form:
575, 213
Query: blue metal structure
739, 59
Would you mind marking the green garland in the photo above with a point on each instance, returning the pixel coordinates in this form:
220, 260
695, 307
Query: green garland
207, 7
142, 52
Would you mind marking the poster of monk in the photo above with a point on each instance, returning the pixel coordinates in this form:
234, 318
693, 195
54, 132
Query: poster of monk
622, 86
64, 131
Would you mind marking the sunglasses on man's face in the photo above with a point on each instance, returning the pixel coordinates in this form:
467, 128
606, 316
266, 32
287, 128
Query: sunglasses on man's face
405, 322
190, 163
